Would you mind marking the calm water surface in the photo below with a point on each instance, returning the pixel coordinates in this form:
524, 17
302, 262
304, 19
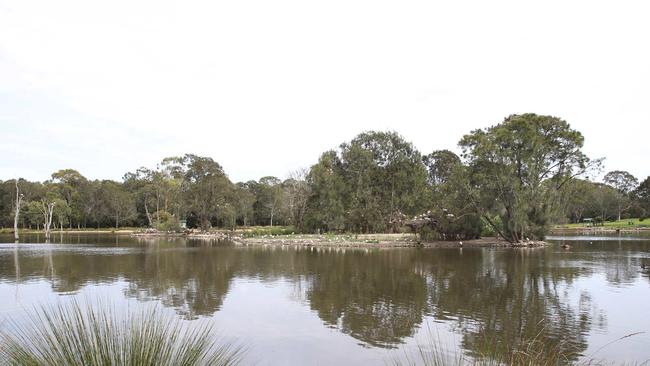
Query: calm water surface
307, 306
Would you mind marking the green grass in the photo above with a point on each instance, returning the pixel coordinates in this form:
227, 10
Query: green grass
620, 224
254, 231
96, 335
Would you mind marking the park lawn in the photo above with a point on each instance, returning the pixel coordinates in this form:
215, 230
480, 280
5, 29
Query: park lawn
620, 224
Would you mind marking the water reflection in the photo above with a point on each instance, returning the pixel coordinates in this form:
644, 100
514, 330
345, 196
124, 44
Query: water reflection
502, 300
375, 297
194, 282
495, 299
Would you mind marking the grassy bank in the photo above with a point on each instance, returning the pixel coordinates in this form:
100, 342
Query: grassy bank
625, 224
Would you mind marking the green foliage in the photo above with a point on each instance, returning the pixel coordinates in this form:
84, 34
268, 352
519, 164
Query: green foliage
269, 230
296, 193
117, 202
270, 195
375, 178
518, 177
487, 229
326, 208
519, 168
440, 165
457, 217
87, 335
427, 233
204, 186
622, 181
641, 196
167, 222
243, 201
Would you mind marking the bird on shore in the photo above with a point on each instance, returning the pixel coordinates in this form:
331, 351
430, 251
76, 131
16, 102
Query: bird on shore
566, 246
460, 243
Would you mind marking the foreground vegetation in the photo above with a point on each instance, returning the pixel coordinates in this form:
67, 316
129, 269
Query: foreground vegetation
514, 179
84, 335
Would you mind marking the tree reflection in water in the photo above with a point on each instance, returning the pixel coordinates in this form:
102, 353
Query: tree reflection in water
499, 300
504, 300
375, 297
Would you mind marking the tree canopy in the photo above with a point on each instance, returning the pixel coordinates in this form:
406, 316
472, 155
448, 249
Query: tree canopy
513, 179
519, 169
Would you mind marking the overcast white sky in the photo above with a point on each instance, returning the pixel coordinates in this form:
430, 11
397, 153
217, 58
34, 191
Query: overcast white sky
265, 86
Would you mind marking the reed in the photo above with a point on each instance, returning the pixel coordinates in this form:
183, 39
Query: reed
89, 335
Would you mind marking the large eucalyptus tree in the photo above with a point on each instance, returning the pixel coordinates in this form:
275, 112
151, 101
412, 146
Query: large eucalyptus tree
519, 169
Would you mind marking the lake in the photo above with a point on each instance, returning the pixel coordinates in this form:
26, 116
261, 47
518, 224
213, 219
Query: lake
309, 306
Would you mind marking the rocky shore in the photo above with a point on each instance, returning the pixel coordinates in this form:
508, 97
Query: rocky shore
379, 241
333, 240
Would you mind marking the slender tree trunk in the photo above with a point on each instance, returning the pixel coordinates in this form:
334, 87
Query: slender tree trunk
47, 210
271, 217
494, 226
146, 211
19, 200
157, 207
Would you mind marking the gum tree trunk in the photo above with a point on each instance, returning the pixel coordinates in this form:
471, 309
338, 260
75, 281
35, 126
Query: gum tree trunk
47, 209
19, 200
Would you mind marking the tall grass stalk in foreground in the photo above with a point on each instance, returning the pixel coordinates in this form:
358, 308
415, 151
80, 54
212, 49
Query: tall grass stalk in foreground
97, 335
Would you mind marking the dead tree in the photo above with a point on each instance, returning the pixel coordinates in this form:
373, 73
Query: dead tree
47, 209
19, 201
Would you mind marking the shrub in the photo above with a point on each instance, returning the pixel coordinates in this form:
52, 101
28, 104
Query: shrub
427, 233
167, 222
269, 230
86, 335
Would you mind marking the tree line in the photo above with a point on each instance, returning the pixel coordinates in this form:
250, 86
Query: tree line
514, 179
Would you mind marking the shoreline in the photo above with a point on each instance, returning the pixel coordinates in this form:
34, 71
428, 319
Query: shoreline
312, 240
343, 241
73, 231
594, 230
382, 242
